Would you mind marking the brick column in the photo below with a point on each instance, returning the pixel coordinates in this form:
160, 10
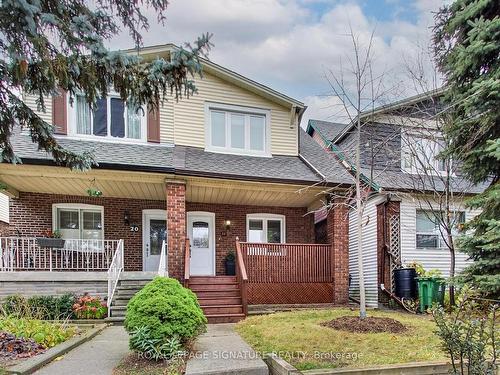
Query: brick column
176, 227
338, 236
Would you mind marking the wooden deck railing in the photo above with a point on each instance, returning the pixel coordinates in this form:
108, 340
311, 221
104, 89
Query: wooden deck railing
187, 262
242, 277
286, 263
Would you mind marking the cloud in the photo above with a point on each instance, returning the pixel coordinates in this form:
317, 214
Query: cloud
291, 45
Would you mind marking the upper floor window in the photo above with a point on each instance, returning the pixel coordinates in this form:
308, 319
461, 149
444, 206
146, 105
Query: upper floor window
238, 130
430, 231
420, 154
112, 118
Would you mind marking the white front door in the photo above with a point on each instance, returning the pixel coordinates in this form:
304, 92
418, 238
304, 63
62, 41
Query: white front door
154, 233
202, 240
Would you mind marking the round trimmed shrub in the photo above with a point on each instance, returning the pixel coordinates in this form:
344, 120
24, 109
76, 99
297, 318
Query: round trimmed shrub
167, 310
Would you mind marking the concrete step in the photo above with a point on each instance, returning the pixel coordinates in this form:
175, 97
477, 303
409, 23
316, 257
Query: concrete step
115, 320
219, 301
222, 309
214, 287
133, 283
125, 293
129, 287
224, 318
120, 302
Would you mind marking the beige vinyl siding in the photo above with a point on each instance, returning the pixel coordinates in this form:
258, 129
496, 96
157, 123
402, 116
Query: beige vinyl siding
369, 240
167, 122
189, 114
4, 208
30, 101
430, 258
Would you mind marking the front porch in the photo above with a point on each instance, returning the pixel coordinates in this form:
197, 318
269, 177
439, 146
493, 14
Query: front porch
183, 228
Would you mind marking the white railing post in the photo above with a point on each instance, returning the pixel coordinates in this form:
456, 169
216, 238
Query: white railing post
114, 272
163, 265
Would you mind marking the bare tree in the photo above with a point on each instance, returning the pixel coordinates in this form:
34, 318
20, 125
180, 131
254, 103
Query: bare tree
358, 89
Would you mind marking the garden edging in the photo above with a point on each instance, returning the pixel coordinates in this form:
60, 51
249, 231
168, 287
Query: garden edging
30, 365
278, 366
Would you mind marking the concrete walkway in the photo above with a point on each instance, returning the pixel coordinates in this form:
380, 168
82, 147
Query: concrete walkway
97, 357
222, 351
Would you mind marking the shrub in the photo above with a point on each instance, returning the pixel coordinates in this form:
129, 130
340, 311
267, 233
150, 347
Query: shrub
40, 307
44, 333
88, 307
166, 309
142, 341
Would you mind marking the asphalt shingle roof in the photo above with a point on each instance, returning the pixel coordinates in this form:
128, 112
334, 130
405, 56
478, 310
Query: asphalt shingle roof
105, 153
323, 161
328, 129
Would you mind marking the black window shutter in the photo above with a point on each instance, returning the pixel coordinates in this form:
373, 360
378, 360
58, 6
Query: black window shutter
117, 120
101, 117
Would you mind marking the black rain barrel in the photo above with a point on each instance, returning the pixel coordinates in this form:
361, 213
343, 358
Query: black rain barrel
406, 285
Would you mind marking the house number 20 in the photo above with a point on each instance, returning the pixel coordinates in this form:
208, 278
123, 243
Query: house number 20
134, 228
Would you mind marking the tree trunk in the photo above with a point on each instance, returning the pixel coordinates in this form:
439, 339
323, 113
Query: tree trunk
452, 268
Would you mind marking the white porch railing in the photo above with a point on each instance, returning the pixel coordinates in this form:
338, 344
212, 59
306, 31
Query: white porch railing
163, 265
114, 271
25, 254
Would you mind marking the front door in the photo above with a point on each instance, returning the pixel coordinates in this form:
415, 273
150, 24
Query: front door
155, 232
202, 241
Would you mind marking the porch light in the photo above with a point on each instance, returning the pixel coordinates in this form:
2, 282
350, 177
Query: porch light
227, 224
126, 217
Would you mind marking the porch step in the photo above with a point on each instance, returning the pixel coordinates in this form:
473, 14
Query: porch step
225, 318
203, 280
219, 301
222, 309
214, 287
218, 293
133, 283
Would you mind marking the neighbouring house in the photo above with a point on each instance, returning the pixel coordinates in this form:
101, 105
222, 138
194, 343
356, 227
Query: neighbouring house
400, 143
226, 170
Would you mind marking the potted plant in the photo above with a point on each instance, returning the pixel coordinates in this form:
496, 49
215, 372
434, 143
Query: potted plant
230, 264
52, 239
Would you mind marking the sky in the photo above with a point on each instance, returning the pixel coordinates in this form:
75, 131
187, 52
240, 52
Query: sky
298, 46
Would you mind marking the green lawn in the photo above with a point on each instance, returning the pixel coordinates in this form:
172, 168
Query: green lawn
309, 345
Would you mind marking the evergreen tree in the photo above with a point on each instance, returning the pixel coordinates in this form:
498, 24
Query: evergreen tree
52, 45
467, 46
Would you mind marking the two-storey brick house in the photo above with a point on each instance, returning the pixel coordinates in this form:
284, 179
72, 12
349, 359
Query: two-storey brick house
179, 189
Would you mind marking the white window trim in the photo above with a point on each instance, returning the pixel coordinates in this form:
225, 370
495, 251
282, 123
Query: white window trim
71, 120
264, 218
77, 206
209, 106
412, 169
437, 232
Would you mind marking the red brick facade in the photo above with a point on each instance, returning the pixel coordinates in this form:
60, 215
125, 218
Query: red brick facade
31, 215
338, 236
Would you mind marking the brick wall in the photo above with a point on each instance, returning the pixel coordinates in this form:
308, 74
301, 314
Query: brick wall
299, 226
31, 215
338, 236
176, 228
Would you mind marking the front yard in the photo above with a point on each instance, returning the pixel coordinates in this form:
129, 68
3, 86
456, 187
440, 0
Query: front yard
299, 338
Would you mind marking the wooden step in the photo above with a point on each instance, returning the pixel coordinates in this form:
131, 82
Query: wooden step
196, 280
217, 293
219, 301
225, 318
214, 287
222, 309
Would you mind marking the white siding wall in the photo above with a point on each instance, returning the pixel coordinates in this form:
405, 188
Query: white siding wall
369, 240
30, 101
4, 208
432, 258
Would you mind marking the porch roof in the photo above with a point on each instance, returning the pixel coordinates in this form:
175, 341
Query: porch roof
189, 161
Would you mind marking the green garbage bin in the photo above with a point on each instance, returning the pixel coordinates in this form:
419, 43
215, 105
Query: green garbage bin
430, 290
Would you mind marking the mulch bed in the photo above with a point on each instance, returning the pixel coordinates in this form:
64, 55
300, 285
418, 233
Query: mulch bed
367, 325
133, 364
13, 348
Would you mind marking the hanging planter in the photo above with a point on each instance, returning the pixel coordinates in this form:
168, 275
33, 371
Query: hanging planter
93, 191
52, 240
